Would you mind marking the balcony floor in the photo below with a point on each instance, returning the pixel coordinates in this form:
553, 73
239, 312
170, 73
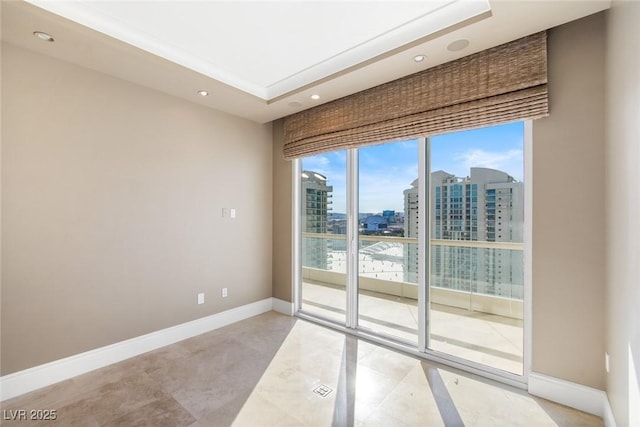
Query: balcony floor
489, 339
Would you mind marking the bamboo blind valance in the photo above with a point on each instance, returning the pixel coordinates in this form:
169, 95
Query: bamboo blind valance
498, 85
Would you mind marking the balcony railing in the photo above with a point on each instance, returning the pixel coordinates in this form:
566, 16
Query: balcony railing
434, 242
383, 282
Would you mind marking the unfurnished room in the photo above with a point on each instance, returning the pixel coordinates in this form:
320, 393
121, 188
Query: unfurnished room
320, 213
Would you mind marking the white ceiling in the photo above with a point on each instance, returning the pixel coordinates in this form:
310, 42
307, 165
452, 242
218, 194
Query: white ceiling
267, 48
263, 59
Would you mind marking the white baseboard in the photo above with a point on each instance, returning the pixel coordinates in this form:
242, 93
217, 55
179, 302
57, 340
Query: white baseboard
570, 394
577, 396
284, 307
607, 416
59, 370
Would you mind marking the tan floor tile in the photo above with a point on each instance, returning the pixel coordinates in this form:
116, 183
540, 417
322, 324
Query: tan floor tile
372, 387
116, 399
389, 363
162, 412
259, 411
52, 397
262, 372
294, 394
413, 404
380, 418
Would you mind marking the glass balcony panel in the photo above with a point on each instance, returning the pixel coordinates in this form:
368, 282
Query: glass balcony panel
476, 285
388, 250
323, 240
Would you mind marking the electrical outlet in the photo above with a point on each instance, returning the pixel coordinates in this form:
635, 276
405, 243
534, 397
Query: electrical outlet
224, 292
201, 298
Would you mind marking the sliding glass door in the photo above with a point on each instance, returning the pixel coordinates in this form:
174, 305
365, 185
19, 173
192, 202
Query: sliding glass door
323, 229
420, 243
388, 239
476, 274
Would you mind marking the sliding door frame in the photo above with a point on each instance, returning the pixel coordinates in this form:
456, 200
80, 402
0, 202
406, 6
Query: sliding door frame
353, 239
424, 224
296, 236
351, 319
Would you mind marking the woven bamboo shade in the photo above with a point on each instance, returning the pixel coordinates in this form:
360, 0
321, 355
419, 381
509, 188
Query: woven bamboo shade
498, 85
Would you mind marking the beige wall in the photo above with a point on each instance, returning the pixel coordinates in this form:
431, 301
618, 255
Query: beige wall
623, 214
282, 218
111, 210
568, 209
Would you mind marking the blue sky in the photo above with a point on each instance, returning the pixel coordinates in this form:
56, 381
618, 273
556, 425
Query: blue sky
386, 170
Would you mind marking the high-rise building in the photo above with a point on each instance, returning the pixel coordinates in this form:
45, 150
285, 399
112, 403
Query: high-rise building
411, 230
316, 198
485, 206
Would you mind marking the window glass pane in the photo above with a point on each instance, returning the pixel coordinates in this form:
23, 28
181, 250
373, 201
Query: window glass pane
388, 233
476, 260
323, 241
475, 225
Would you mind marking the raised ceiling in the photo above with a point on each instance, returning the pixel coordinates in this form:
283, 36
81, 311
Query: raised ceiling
267, 48
264, 59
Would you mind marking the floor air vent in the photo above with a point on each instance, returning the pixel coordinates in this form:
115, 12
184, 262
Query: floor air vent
322, 390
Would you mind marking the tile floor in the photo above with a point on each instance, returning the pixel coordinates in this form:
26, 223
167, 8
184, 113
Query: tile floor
262, 372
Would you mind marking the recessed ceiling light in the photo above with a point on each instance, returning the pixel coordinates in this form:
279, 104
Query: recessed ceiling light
419, 58
295, 104
315, 96
203, 93
43, 36
458, 45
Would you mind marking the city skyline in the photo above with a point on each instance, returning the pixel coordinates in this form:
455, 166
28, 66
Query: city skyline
386, 170
486, 207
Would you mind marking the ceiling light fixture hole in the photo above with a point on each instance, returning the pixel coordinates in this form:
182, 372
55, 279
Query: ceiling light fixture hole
315, 96
419, 58
458, 45
203, 93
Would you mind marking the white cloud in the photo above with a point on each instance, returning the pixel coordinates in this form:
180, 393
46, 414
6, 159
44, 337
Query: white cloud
509, 161
315, 163
384, 189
